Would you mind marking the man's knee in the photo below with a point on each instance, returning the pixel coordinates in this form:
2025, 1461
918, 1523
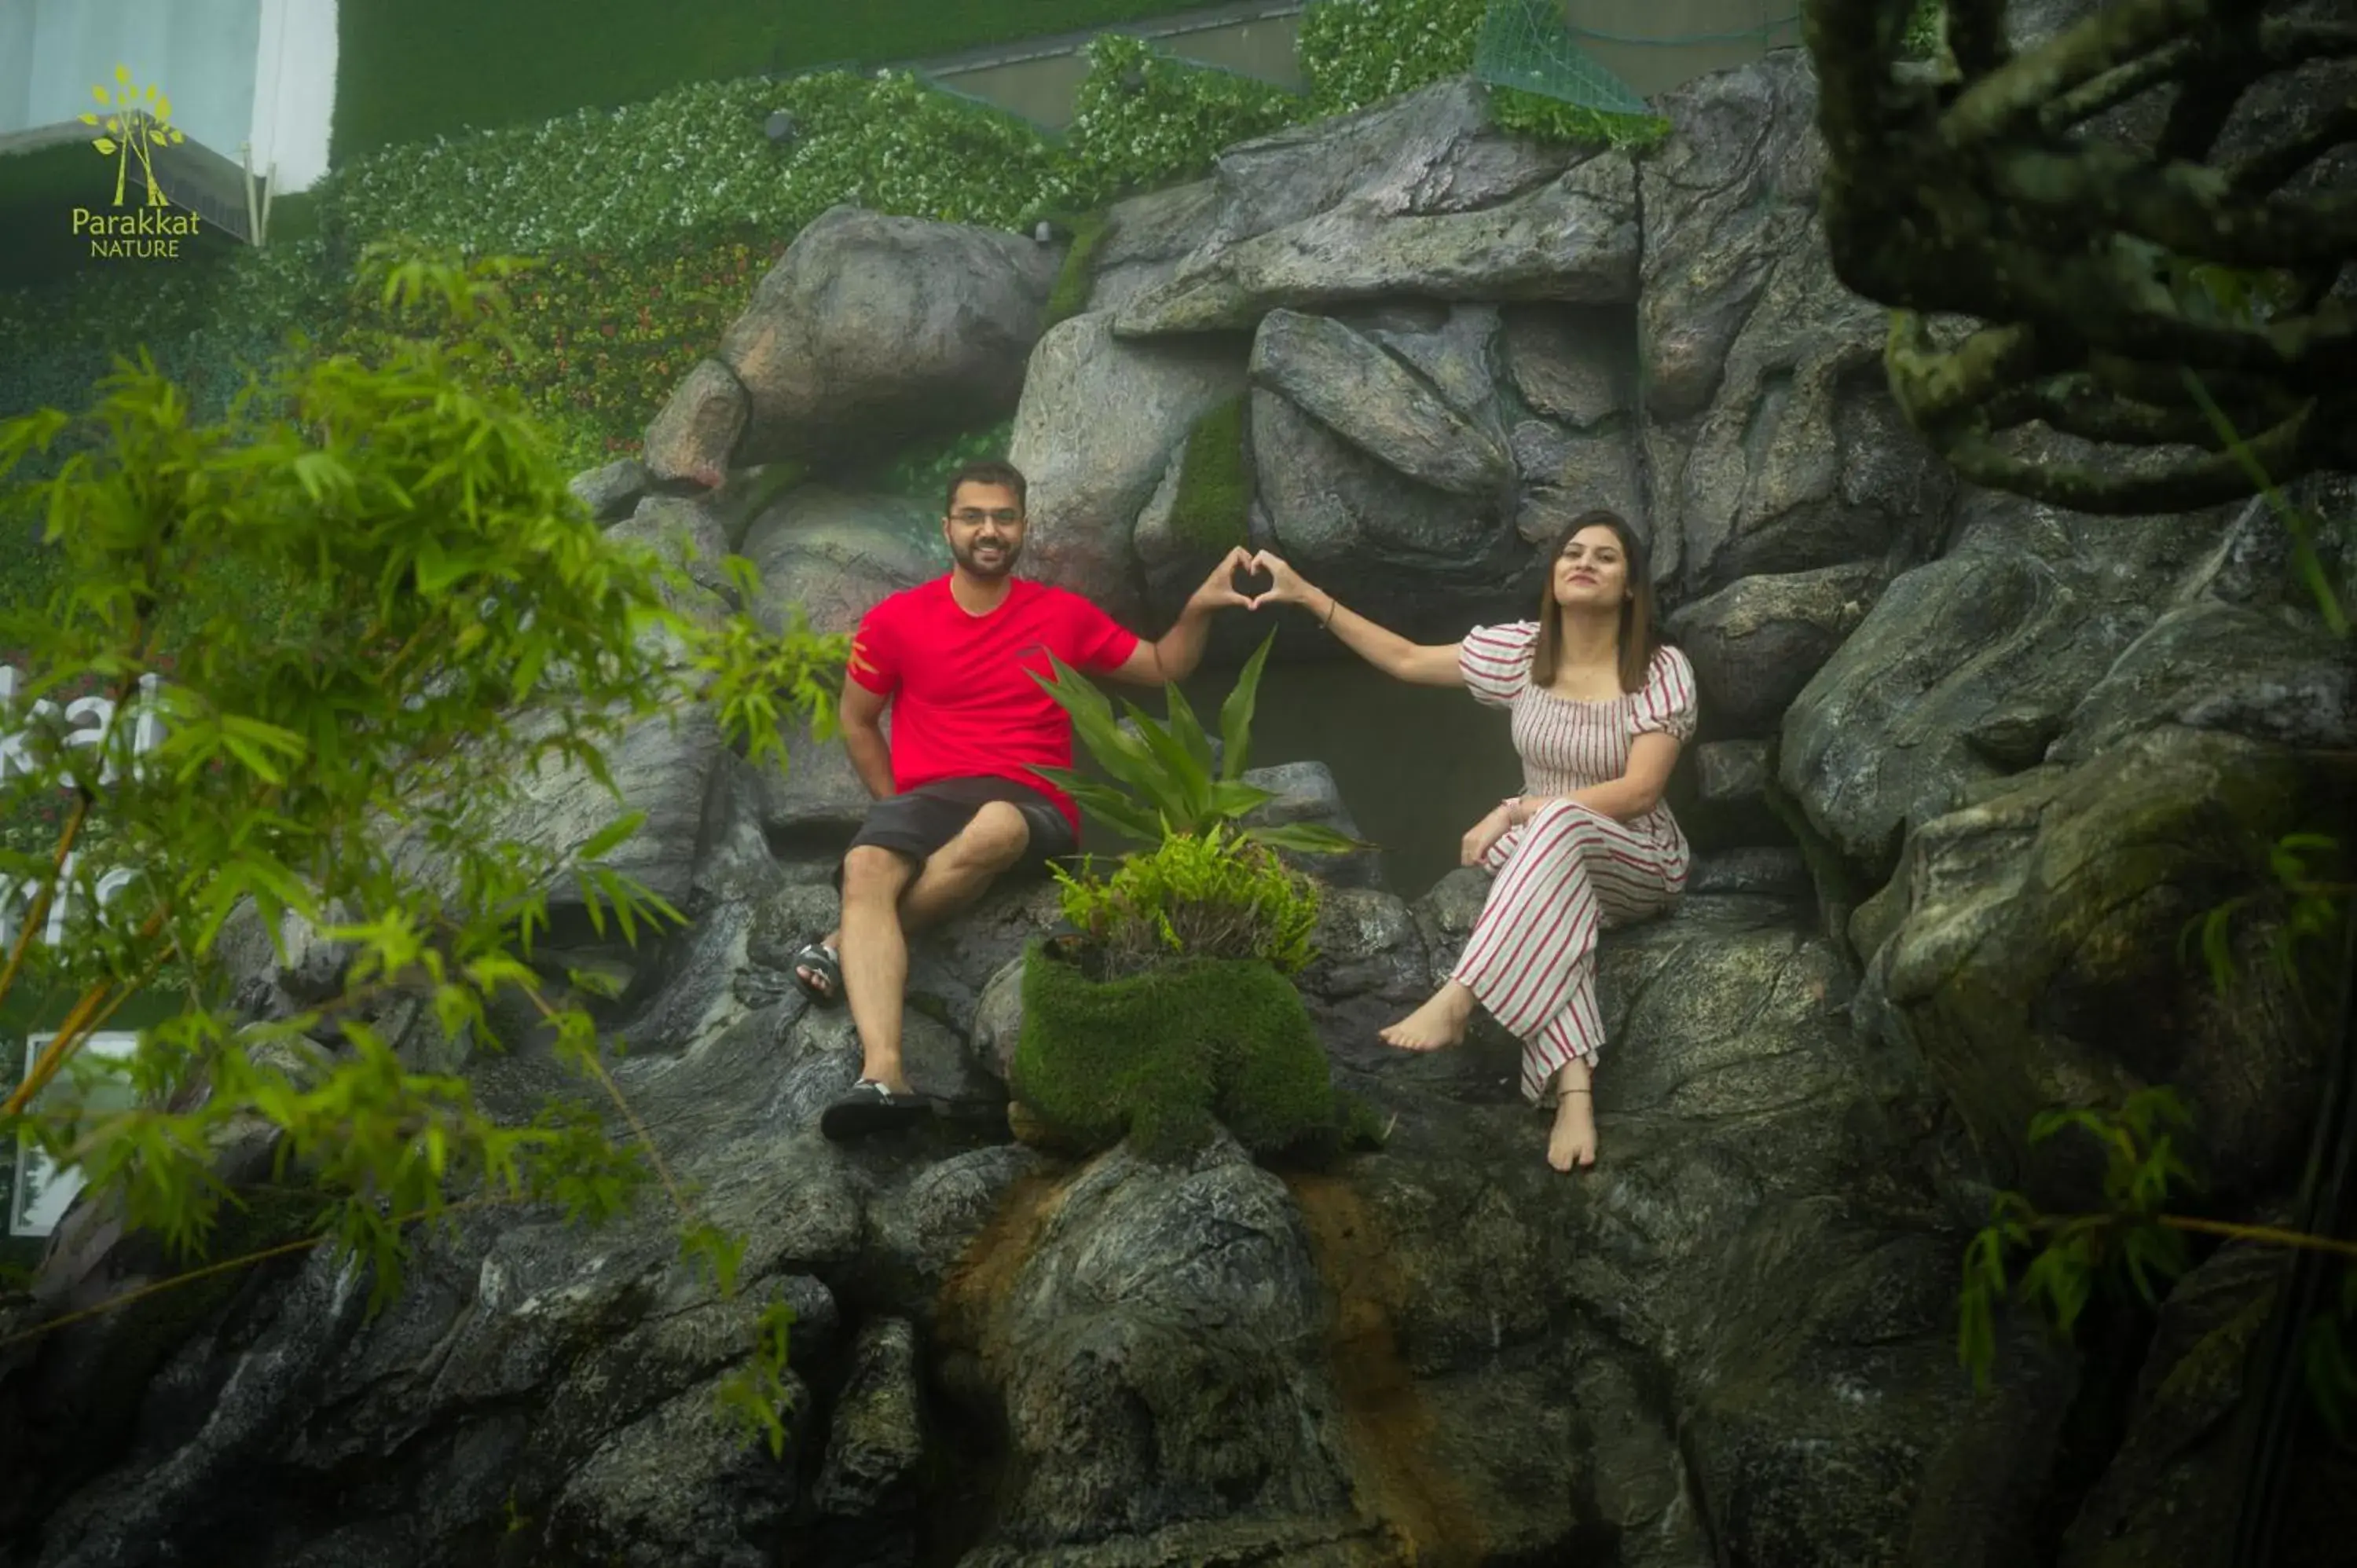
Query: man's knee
873, 871
993, 840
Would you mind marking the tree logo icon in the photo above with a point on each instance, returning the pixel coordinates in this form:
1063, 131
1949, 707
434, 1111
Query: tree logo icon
139, 120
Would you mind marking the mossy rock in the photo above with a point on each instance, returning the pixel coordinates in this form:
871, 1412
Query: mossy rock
1162, 1056
1208, 515
1078, 276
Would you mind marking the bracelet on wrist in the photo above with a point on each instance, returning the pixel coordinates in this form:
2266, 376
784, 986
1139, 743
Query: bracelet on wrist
1332, 603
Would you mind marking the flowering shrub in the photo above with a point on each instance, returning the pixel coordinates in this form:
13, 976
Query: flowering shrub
1357, 52
698, 156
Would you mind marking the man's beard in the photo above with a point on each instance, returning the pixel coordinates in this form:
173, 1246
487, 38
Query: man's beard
999, 566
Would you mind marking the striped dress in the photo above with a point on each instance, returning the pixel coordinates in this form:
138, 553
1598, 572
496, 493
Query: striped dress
1569, 871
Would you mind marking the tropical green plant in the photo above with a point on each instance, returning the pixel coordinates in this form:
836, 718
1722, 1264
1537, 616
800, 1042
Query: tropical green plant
1168, 782
450, 621
1193, 896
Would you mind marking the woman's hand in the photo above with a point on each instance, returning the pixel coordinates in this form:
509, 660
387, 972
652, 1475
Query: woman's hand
1483, 836
1285, 586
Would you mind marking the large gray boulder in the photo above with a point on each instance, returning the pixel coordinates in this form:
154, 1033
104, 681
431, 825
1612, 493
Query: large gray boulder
835, 554
1575, 239
610, 490
1380, 405
1160, 1356
1719, 1255
874, 332
2032, 958
1773, 443
1574, 371
1420, 198
1756, 642
695, 435
1414, 557
2275, 677
1145, 240
686, 536
1100, 421
1967, 669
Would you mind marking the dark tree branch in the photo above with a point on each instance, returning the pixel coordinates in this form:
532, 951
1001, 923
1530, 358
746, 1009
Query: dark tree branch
2105, 273
2008, 99
2185, 207
2206, 481
2230, 64
1976, 37
2117, 86
2082, 406
2266, 172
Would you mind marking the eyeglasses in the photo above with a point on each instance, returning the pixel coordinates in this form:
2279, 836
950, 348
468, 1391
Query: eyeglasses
973, 517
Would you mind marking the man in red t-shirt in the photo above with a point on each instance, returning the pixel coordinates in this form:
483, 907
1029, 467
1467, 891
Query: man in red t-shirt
957, 804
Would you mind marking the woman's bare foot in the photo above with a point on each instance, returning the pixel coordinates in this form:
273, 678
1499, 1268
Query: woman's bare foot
1573, 1141
1438, 1025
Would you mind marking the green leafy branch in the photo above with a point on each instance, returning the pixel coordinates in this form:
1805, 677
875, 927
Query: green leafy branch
351, 767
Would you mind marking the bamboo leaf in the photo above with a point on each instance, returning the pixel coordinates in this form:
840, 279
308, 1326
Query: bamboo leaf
612, 836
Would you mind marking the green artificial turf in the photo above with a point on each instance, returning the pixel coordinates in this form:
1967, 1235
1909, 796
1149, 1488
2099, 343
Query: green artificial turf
412, 69
1158, 1057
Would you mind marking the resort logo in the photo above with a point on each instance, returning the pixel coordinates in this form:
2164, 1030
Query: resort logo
138, 120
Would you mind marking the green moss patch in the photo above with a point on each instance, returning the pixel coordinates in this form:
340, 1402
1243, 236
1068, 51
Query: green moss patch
1214, 483
1070, 294
1158, 1057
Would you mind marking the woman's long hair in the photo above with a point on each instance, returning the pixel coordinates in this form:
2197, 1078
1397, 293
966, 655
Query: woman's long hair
1638, 640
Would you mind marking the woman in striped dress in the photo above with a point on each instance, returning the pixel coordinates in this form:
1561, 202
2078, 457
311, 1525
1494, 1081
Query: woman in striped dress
1599, 709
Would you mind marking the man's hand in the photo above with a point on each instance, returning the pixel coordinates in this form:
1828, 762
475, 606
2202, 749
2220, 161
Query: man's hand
1219, 590
1483, 836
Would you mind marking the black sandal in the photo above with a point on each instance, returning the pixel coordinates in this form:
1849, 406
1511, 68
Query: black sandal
869, 1106
823, 960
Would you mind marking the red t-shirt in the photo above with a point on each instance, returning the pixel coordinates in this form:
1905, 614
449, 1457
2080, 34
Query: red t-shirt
963, 703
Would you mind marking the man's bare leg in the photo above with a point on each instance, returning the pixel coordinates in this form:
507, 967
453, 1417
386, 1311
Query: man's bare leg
948, 882
1573, 1141
878, 888
875, 958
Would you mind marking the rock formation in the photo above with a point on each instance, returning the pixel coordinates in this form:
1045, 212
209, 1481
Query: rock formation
1732, 1342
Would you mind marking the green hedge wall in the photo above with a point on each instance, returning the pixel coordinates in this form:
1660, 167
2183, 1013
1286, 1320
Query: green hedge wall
421, 68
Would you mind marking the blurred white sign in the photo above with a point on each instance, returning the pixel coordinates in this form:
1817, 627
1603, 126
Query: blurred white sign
42, 1189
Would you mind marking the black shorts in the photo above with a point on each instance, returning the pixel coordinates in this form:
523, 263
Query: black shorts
920, 821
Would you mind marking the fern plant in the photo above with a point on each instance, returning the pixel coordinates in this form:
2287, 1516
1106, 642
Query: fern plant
1194, 897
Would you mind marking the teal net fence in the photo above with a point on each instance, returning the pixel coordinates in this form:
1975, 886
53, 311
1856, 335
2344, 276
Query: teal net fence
1527, 46
1543, 46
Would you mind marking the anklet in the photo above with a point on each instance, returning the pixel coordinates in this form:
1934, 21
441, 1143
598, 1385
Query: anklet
1575, 1091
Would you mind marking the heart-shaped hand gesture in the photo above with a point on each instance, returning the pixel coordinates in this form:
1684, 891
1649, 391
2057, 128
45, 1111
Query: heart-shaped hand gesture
1284, 584
1228, 585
